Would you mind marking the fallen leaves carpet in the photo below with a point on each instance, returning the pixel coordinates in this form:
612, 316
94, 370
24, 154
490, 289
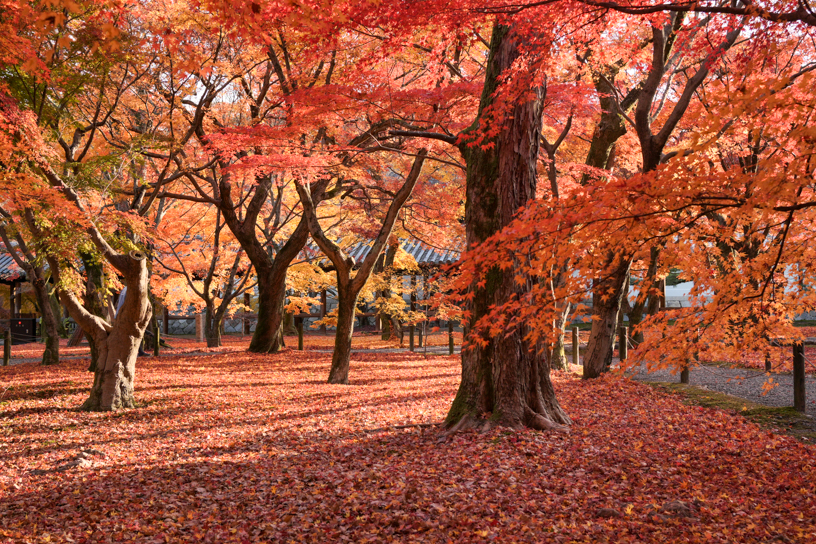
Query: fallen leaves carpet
247, 448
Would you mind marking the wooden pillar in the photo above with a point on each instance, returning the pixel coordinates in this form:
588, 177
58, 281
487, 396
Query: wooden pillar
299, 326
450, 337
165, 321
623, 347
799, 396
13, 308
7, 346
576, 346
248, 304
413, 309
323, 309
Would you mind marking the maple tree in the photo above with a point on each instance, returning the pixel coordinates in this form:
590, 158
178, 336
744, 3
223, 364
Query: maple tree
208, 266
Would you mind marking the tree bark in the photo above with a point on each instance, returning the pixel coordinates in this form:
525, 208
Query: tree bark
213, 320
507, 378
608, 295
268, 336
49, 322
117, 343
346, 304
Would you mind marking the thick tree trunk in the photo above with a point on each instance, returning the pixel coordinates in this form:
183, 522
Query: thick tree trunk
507, 378
608, 295
118, 348
212, 327
346, 304
268, 336
49, 320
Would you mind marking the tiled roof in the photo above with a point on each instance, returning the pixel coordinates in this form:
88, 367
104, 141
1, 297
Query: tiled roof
424, 255
9, 271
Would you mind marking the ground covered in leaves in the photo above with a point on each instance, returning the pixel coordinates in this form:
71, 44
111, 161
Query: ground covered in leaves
248, 448
182, 345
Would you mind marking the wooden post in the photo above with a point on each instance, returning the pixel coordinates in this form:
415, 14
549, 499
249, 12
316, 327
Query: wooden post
247, 303
576, 355
413, 309
165, 320
299, 326
799, 396
156, 341
13, 308
323, 309
7, 346
623, 347
450, 337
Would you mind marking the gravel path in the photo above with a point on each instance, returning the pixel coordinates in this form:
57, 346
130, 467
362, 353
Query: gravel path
739, 382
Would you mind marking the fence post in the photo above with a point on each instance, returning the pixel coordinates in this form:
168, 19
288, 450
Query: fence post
7, 347
623, 345
799, 377
576, 355
450, 337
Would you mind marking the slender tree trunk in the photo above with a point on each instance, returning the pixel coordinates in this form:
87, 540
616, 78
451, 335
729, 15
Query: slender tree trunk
93, 300
558, 357
608, 295
49, 321
506, 378
346, 304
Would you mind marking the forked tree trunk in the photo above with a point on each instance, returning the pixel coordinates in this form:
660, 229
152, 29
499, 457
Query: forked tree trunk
608, 295
117, 342
507, 378
348, 287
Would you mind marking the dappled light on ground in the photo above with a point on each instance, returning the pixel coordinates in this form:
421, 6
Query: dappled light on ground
251, 448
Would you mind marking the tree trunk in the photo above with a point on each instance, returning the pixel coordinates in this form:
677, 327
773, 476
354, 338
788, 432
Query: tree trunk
558, 357
607, 296
49, 320
506, 378
118, 347
346, 304
268, 336
93, 300
212, 327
